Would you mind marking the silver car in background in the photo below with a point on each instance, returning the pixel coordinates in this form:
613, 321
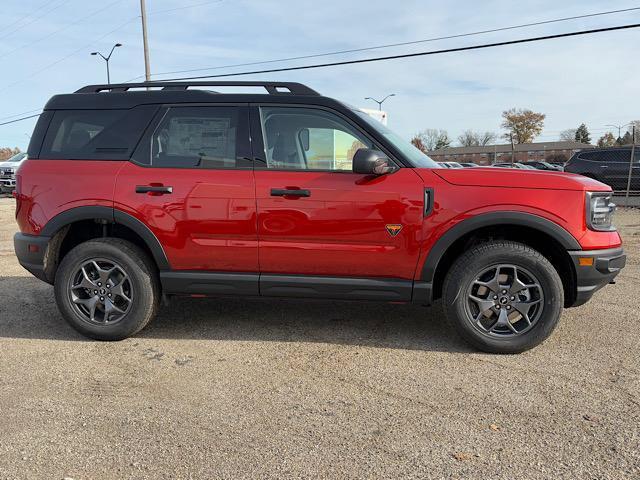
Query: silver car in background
8, 170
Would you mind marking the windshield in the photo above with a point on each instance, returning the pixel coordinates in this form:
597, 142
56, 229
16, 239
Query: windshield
16, 158
415, 156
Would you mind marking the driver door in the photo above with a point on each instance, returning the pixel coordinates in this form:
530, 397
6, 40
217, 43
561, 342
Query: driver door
316, 218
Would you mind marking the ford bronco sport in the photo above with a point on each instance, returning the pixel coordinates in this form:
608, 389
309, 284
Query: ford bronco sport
132, 192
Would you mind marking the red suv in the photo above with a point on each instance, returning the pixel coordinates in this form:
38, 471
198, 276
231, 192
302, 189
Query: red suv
135, 191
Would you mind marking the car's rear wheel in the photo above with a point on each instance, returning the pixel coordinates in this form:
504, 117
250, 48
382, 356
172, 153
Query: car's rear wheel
503, 297
107, 289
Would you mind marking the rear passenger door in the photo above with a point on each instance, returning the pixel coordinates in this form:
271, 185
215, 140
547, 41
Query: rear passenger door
191, 182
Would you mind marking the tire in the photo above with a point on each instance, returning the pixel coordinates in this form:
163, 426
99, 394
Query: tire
114, 313
524, 317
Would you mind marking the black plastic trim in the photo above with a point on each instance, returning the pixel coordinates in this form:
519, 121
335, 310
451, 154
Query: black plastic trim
210, 283
378, 289
506, 218
607, 264
111, 216
33, 262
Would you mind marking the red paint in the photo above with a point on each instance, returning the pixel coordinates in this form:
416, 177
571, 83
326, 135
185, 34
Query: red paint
227, 220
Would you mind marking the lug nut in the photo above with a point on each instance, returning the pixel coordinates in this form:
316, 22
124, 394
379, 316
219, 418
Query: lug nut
108, 286
95, 292
498, 307
495, 297
508, 307
109, 295
503, 291
102, 299
513, 298
99, 284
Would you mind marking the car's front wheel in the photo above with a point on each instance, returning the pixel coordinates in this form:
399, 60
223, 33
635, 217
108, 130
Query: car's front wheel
503, 297
107, 289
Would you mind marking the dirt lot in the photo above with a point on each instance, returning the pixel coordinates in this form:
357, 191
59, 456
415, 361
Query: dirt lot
258, 389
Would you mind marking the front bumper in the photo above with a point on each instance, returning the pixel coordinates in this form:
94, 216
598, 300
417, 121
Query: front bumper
592, 276
31, 251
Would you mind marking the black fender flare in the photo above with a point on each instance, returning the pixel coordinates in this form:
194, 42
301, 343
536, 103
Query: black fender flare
507, 218
110, 215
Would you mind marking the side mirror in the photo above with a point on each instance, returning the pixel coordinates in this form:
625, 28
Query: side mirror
372, 162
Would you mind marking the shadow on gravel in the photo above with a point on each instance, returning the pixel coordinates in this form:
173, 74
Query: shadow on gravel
28, 310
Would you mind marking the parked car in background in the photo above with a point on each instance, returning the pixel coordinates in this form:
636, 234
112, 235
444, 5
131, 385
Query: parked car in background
468, 164
450, 164
607, 165
519, 165
8, 170
540, 165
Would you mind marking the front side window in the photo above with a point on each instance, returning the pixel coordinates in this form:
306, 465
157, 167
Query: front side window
309, 139
196, 137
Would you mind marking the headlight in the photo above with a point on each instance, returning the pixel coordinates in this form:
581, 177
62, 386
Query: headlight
600, 211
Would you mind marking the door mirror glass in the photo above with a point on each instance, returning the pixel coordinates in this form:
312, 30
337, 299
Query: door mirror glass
372, 162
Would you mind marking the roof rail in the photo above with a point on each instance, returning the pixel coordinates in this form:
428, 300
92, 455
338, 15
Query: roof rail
273, 88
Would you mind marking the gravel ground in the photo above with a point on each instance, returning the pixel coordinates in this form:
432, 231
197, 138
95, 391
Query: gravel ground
264, 389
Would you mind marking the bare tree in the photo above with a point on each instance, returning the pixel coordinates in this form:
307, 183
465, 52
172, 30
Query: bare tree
487, 137
469, 138
568, 135
522, 125
429, 139
7, 152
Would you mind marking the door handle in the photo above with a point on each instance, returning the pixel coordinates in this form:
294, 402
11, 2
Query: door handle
286, 192
153, 189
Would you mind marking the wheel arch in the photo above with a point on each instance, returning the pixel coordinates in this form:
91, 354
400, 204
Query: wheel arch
95, 222
552, 240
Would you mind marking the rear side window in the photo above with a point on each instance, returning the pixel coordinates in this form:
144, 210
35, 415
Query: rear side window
607, 156
95, 134
199, 137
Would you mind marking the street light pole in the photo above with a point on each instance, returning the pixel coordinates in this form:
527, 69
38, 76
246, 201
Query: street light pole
619, 127
380, 102
107, 58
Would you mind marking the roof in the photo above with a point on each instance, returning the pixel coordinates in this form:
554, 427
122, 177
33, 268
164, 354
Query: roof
506, 148
128, 95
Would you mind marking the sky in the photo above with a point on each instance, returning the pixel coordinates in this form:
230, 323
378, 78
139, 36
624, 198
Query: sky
45, 49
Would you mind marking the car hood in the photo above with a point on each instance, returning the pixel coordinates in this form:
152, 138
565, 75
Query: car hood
4, 165
518, 178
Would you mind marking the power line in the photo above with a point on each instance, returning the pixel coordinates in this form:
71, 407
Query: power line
61, 29
417, 54
400, 44
156, 12
20, 114
20, 119
24, 17
46, 67
33, 20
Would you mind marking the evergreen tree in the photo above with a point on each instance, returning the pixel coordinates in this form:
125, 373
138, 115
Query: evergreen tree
582, 134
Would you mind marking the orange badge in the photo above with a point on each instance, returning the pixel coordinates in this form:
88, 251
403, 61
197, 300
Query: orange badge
394, 229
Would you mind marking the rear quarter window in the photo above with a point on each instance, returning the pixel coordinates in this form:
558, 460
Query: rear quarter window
606, 156
95, 134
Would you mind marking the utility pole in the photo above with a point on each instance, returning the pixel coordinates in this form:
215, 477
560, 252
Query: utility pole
513, 149
633, 152
147, 67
